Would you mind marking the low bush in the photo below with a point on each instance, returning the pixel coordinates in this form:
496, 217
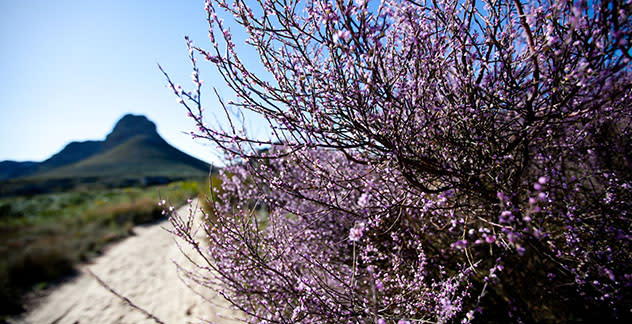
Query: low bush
144, 210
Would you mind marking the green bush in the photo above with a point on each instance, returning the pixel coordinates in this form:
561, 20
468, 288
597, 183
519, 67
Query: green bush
136, 212
42, 237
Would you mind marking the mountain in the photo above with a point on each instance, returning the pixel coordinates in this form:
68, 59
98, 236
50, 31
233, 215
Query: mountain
132, 153
73, 152
131, 126
14, 169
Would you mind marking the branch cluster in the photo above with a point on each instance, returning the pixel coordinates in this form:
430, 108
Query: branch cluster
430, 160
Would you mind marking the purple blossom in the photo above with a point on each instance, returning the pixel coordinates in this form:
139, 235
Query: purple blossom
363, 200
356, 232
415, 129
342, 35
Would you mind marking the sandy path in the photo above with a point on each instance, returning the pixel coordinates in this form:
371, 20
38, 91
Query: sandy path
140, 268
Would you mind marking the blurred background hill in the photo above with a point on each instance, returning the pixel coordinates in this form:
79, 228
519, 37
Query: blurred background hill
133, 153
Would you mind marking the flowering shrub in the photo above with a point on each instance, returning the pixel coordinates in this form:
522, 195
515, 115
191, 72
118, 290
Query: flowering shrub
431, 161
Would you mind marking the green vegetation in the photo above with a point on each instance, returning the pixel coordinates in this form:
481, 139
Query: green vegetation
42, 237
205, 194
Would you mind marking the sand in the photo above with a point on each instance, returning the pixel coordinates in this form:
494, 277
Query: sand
140, 268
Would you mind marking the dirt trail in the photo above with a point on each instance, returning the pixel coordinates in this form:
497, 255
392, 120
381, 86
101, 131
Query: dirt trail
140, 268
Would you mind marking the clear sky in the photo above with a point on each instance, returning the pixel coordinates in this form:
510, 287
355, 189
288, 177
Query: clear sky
69, 69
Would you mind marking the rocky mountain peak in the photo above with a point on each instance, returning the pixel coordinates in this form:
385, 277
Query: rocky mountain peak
130, 126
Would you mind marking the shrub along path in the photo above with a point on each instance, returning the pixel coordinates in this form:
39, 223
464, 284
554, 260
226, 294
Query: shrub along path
140, 268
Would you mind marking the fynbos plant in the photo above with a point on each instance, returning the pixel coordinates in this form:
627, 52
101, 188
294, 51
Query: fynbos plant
431, 161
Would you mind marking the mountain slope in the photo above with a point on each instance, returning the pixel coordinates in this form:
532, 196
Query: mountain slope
139, 156
132, 153
13, 169
73, 152
133, 149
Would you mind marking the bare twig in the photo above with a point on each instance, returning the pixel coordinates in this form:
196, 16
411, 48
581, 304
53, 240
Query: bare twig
125, 299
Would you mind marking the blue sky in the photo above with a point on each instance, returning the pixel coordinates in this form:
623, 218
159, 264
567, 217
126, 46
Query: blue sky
69, 69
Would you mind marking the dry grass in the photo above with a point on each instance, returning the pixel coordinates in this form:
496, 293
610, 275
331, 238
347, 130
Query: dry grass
42, 237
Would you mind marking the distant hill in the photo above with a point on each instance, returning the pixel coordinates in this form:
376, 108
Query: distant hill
73, 152
133, 153
13, 169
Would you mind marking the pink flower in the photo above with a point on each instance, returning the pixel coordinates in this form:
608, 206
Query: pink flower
343, 34
379, 285
356, 232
